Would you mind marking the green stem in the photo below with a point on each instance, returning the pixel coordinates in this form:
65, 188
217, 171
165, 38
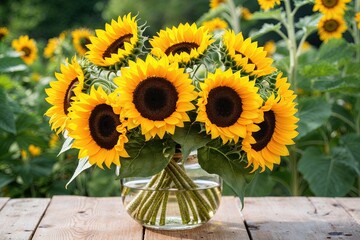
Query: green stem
291, 43
357, 32
163, 209
234, 14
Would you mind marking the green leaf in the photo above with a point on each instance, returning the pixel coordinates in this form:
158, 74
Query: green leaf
266, 28
308, 23
11, 62
319, 69
102, 183
213, 13
233, 172
326, 175
262, 15
334, 50
302, 2
7, 120
313, 113
83, 164
348, 85
351, 155
146, 159
261, 185
190, 138
5, 180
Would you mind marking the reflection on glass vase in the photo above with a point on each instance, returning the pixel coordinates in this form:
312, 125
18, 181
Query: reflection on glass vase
182, 196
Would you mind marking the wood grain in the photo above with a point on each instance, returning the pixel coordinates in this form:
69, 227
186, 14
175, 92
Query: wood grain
226, 224
74, 217
20, 217
3, 201
298, 218
352, 206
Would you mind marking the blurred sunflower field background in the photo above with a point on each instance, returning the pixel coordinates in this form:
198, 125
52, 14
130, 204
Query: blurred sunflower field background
315, 43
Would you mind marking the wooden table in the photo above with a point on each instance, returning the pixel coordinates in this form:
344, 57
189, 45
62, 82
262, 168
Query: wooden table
74, 217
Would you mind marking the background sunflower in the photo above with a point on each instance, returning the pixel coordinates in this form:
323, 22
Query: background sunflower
26, 47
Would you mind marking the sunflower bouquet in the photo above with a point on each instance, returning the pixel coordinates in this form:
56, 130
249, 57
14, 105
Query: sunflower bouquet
145, 105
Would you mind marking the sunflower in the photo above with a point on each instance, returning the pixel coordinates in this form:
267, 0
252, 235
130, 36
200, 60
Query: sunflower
357, 19
155, 95
215, 3
96, 128
331, 27
331, 8
53, 45
80, 39
245, 13
270, 48
62, 93
246, 55
268, 4
265, 147
182, 44
228, 105
215, 24
3, 33
117, 43
27, 47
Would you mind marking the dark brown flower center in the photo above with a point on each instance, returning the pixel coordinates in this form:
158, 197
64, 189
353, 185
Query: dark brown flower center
83, 42
118, 44
155, 98
181, 47
224, 106
102, 123
27, 51
249, 60
69, 94
2, 35
331, 25
329, 3
264, 135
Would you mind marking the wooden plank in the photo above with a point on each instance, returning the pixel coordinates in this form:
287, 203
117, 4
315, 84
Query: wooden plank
226, 224
298, 218
352, 206
20, 217
3, 201
74, 217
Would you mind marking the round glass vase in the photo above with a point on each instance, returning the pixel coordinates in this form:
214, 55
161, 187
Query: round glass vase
182, 196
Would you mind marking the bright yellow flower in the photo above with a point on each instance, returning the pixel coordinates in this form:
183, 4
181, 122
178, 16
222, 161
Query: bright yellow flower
216, 3
80, 39
246, 14
62, 93
34, 150
268, 4
331, 8
27, 47
331, 27
228, 105
96, 128
265, 147
182, 44
54, 139
215, 24
155, 95
270, 48
3, 32
116, 43
246, 55
357, 19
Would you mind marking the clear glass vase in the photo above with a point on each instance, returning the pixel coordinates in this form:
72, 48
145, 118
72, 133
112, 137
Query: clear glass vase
182, 196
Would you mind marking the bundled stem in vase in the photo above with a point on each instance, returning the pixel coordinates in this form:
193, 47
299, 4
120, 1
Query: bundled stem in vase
195, 204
